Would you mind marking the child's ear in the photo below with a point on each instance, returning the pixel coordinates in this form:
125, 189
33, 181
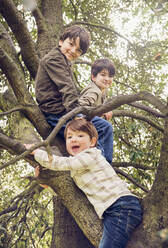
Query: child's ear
93, 142
60, 42
92, 77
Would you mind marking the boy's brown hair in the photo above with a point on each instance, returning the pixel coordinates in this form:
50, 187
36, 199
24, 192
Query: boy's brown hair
83, 125
75, 31
102, 64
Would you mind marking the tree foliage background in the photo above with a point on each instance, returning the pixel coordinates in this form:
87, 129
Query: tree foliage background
133, 34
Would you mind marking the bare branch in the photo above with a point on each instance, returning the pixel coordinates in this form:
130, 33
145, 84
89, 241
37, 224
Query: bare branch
12, 110
102, 27
138, 117
127, 85
15, 78
21, 234
131, 179
75, 9
21, 156
22, 34
30, 234
46, 230
82, 62
62, 121
28, 193
147, 109
130, 164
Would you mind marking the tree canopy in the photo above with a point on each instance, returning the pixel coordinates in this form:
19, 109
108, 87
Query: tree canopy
133, 34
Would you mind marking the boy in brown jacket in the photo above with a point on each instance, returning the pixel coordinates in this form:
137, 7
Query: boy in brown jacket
55, 90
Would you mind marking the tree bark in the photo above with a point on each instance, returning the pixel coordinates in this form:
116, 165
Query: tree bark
66, 233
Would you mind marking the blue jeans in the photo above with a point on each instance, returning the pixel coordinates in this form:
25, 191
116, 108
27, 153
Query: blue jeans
53, 119
119, 221
105, 140
104, 129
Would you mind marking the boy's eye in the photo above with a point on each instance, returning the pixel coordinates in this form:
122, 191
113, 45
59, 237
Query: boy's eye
80, 135
71, 44
80, 50
69, 137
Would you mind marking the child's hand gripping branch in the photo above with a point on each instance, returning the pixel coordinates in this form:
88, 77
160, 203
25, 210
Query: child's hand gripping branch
37, 173
28, 146
38, 168
107, 116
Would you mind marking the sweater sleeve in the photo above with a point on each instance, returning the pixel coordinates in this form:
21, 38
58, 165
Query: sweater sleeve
88, 98
79, 162
91, 95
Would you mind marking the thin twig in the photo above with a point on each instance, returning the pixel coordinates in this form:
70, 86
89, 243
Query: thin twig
131, 179
18, 108
102, 27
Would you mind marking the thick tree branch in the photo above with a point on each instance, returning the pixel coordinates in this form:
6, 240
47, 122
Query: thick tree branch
7, 44
40, 21
15, 78
14, 147
21, 92
119, 100
22, 34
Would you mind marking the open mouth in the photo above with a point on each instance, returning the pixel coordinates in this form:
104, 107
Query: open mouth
75, 148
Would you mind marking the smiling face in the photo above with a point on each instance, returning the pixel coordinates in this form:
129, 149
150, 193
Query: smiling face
103, 79
78, 141
70, 48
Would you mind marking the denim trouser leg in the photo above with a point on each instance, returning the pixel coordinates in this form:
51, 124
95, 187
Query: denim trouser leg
120, 220
53, 119
105, 140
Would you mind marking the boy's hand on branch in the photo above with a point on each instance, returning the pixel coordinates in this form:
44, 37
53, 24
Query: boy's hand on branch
28, 146
108, 115
37, 173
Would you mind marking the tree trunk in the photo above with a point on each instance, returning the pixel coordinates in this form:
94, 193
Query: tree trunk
66, 232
